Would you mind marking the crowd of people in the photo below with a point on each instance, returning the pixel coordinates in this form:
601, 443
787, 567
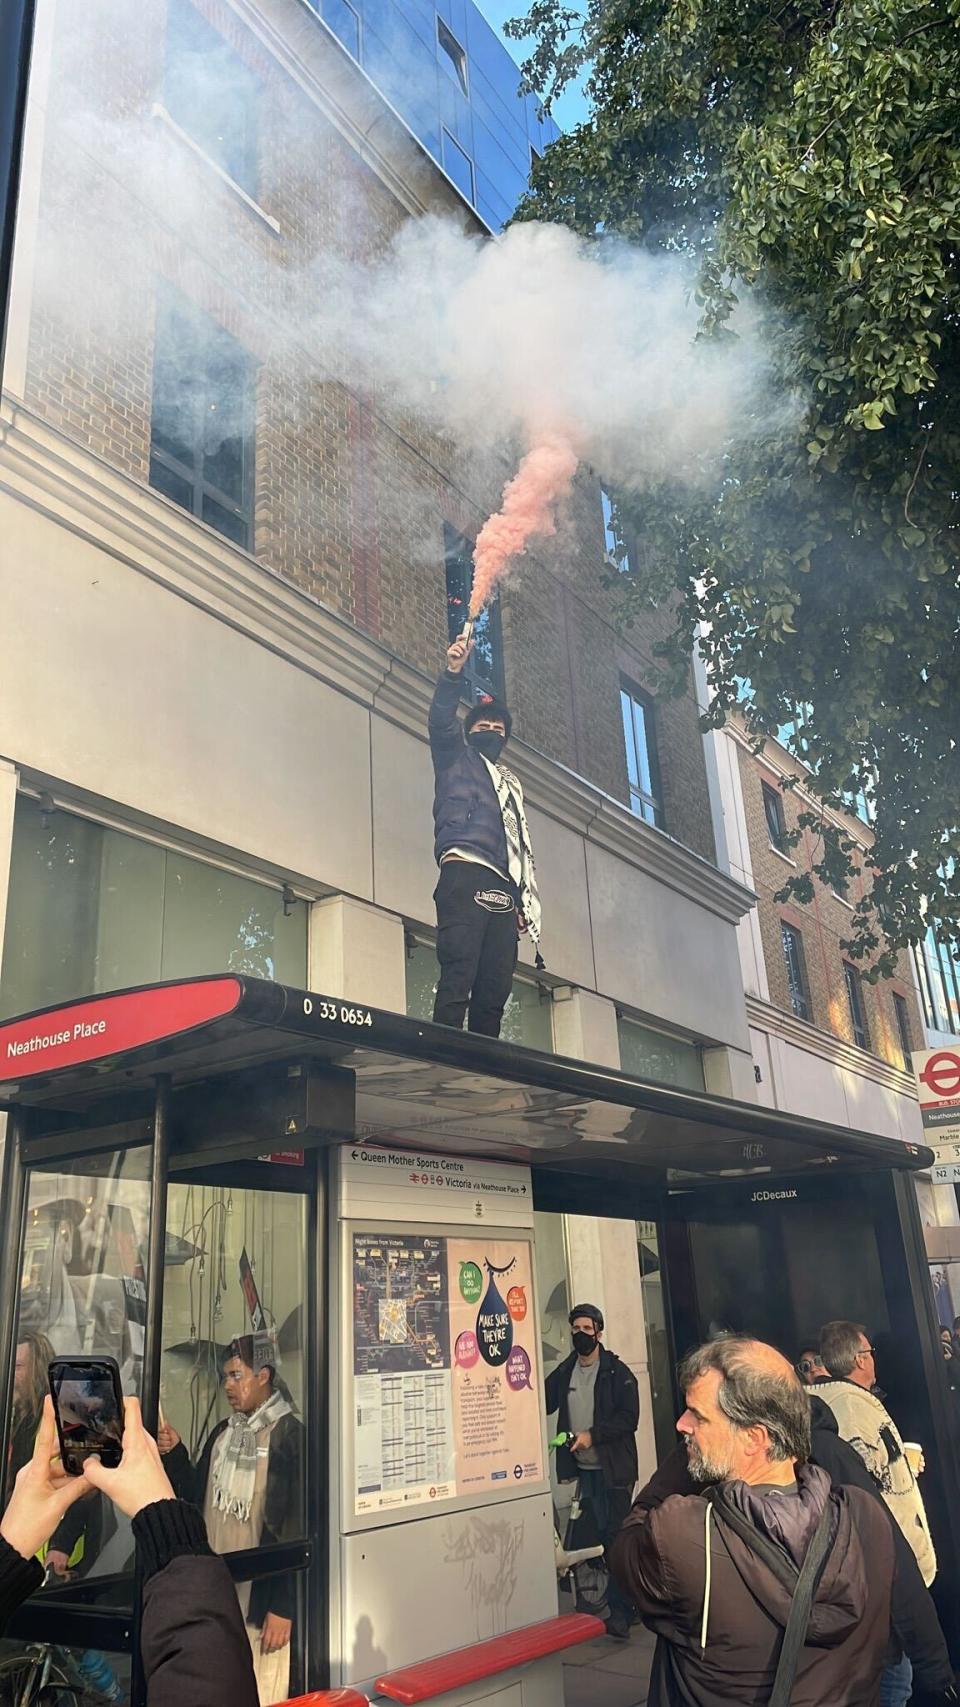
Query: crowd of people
781, 1553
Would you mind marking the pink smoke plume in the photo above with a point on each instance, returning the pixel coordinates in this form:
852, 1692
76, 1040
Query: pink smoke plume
529, 507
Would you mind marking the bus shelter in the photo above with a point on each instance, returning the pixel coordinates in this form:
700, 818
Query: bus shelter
361, 1195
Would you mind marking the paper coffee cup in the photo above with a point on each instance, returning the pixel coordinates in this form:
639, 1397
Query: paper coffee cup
914, 1456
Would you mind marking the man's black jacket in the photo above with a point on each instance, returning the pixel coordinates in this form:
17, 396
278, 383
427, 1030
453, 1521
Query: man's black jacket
616, 1413
916, 1627
466, 811
283, 1510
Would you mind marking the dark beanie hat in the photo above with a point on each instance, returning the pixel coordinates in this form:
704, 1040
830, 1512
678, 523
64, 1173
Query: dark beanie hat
488, 707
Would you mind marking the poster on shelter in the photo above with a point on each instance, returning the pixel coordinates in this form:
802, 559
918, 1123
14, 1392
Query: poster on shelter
446, 1368
495, 1343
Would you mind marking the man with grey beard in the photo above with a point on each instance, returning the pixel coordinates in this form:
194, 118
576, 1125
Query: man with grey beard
765, 1585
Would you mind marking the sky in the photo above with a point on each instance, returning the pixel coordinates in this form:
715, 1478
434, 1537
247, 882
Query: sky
571, 109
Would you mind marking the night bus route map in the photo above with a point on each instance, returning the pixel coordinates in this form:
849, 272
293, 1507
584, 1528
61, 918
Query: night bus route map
400, 1310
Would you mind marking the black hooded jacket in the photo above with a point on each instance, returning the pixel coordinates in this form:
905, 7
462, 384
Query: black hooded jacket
916, 1629
720, 1630
616, 1414
466, 811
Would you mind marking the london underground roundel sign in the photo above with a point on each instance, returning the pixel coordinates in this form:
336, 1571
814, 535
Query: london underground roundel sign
940, 1073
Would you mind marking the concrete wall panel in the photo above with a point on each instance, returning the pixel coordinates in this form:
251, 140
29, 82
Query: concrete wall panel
130, 692
658, 951
482, 1572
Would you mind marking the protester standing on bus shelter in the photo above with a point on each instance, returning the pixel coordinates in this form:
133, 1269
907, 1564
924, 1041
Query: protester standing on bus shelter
487, 895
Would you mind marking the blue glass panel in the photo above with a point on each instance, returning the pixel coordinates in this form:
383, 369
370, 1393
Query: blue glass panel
345, 24
488, 213
509, 176
496, 209
457, 18
458, 166
455, 113
489, 107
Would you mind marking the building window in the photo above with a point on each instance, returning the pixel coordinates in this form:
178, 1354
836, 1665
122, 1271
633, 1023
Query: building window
773, 812
643, 769
938, 975
483, 672
615, 551
344, 21
211, 94
527, 1017
452, 55
201, 425
658, 1058
458, 166
796, 970
858, 1012
902, 1016
92, 908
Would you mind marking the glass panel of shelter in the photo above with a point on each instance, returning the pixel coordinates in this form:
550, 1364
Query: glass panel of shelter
234, 1374
233, 1339
82, 1289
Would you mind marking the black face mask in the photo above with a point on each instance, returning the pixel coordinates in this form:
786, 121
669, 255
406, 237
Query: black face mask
583, 1343
487, 742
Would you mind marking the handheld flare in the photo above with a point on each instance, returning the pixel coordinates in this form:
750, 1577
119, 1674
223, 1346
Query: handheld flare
467, 630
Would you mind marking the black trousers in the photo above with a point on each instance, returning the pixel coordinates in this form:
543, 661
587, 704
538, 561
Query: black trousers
476, 946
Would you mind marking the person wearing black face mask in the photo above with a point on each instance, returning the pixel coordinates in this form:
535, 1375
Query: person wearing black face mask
598, 1405
487, 893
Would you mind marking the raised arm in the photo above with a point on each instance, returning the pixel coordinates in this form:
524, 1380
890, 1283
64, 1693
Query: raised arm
443, 723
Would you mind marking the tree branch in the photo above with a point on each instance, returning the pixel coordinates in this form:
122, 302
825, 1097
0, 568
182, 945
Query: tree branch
921, 29
913, 483
809, 150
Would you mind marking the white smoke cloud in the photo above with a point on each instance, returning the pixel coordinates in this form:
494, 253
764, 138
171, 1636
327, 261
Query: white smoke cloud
495, 343
538, 333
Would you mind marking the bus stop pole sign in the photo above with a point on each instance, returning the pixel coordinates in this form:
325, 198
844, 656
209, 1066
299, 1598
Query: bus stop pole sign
937, 1073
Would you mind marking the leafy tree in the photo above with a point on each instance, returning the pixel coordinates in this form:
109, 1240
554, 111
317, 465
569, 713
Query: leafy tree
806, 152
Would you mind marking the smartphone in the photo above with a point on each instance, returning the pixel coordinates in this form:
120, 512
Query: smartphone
88, 1405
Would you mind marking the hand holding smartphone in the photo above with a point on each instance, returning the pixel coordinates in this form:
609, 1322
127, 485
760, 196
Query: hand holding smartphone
88, 1407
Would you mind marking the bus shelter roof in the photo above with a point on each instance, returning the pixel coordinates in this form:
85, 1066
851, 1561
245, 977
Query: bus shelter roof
416, 1085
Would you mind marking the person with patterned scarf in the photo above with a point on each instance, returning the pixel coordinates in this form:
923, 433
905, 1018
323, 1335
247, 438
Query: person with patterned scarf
487, 895
248, 1483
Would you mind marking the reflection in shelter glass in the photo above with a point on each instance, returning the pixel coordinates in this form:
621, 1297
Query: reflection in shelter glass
82, 1293
233, 1391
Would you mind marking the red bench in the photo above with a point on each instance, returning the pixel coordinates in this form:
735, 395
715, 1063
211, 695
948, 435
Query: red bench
330, 1698
426, 1678
419, 1682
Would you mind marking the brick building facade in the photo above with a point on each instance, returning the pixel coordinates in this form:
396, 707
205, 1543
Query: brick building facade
344, 498
824, 1039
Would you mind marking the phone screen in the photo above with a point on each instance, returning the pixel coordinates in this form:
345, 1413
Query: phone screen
88, 1414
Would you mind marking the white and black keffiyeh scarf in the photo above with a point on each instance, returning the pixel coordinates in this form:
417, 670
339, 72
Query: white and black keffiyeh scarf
235, 1475
520, 863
